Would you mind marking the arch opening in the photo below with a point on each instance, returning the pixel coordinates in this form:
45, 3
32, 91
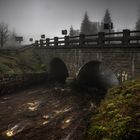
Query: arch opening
96, 74
58, 71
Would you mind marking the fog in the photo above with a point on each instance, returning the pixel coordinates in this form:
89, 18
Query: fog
31, 18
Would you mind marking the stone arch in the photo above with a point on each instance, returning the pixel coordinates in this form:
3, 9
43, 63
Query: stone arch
96, 73
58, 71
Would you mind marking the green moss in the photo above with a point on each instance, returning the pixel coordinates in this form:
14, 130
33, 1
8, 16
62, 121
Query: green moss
25, 62
117, 117
99, 132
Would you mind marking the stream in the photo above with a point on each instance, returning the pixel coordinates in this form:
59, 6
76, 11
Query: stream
48, 112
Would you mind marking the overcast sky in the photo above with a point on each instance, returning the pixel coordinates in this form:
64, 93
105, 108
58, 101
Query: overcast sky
31, 18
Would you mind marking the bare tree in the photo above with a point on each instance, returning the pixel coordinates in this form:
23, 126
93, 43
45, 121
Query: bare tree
4, 33
11, 42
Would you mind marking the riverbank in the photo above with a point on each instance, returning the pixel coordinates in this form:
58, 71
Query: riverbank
118, 116
20, 63
48, 112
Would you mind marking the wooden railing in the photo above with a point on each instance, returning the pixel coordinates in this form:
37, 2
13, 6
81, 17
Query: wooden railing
126, 37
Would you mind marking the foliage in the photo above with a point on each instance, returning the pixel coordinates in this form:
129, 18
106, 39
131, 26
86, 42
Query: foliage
106, 19
86, 25
25, 62
118, 115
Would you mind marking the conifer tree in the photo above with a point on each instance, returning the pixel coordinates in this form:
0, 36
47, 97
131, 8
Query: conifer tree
85, 25
138, 22
71, 32
106, 20
138, 25
107, 17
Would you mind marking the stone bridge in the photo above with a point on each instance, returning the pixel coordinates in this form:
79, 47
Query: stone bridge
102, 59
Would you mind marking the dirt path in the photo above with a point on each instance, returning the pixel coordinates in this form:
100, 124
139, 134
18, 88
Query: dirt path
44, 113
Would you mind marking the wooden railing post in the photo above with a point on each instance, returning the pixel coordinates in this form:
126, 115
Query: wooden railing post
47, 42
82, 39
126, 37
55, 41
101, 38
66, 40
36, 43
41, 43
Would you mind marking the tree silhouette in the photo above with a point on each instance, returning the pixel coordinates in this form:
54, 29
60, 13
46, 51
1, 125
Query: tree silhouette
106, 20
71, 32
138, 25
11, 42
138, 22
85, 25
4, 33
107, 17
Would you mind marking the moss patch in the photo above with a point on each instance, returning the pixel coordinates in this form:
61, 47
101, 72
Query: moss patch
118, 117
25, 62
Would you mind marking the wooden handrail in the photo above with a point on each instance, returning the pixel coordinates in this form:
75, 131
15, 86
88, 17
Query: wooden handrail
101, 38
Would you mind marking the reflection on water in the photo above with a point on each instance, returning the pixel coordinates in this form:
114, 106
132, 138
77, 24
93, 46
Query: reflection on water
63, 111
13, 129
9, 133
45, 117
33, 106
45, 122
66, 122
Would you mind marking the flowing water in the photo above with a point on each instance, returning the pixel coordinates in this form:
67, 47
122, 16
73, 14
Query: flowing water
47, 113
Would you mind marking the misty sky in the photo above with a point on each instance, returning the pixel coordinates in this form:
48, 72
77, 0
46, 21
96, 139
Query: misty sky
31, 18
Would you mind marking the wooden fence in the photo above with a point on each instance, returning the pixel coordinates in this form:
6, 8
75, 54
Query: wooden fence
126, 37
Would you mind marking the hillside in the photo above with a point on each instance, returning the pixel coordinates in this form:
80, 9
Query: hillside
118, 117
25, 62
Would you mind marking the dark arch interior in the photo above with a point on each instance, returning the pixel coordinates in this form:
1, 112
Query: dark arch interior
58, 71
93, 74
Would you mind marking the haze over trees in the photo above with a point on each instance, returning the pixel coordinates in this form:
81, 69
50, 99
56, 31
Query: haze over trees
137, 27
107, 20
90, 27
7, 37
11, 42
73, 32
85, 25
95, 27
4, 34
